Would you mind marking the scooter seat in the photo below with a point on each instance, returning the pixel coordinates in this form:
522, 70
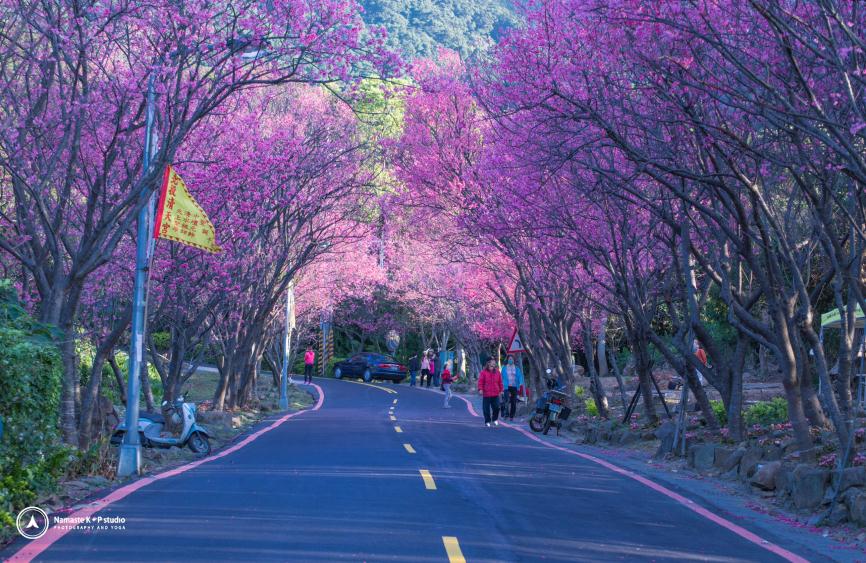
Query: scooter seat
153, 416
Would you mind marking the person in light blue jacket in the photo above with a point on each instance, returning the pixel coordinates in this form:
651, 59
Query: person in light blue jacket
512, 382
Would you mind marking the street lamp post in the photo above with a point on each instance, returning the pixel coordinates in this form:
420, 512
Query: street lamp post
130, 451
290, 325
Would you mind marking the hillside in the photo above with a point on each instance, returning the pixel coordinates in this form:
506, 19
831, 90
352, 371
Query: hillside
418, 27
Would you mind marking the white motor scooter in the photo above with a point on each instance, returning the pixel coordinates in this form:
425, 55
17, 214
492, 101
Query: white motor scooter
151, 429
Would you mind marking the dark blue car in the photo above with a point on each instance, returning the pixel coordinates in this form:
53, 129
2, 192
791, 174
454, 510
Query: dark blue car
369, 366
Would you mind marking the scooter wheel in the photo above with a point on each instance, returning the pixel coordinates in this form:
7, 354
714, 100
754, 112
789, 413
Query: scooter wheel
536, 423
547, 424
199, 443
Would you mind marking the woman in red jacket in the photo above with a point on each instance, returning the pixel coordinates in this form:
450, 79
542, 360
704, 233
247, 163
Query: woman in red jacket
490, 387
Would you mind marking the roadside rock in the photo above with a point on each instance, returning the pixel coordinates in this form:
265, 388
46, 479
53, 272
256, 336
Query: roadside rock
807, 486
855, 500
702, 456
789, 446
765, 476
749, 463
773, 453
730, 462
852, 477
784, 480
722, 455
665, 434
837, 516
628, 437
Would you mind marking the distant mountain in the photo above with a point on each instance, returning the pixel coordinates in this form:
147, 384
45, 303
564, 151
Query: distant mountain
417, 27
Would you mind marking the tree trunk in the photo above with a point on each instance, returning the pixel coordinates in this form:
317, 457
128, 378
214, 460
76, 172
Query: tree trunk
69, 390
118, 377
619, 380
595, 386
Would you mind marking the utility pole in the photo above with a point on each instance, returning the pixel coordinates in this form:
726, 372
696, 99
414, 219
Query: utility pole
290, 325
130, 451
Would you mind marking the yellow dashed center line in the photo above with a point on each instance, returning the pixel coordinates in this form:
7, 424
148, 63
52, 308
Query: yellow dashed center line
398, 429
452, 548
428, 480
385, 389
409, 448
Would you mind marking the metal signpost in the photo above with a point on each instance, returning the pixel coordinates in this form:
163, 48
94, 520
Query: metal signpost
130, 451
290, 325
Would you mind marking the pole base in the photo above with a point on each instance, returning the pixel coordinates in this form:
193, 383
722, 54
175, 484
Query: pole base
284, 403
130, 460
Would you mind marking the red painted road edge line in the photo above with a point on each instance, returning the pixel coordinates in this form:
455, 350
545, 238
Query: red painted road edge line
37, 546
690, 504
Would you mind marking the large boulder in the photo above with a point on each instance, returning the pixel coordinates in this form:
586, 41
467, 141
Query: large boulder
665, 434
855, 500
765, 476
727, 462
852, 477
784, 480
702, 456
749, 463
807, 486
722, 455
773, 453
628, 437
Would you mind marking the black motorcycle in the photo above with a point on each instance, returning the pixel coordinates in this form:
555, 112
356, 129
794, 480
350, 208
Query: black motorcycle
550, 409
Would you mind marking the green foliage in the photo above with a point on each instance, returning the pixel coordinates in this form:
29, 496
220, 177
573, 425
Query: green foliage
30, 376
720, 412
767, 412
715, 317
161, 341
416, 28
591, 407
123, 363
579, 392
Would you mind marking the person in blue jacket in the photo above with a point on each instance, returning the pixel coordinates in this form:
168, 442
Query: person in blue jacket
512, 381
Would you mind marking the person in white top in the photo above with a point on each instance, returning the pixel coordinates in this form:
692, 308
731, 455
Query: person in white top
425, 370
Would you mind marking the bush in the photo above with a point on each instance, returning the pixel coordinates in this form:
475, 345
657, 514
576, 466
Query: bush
767, 412
591, 407
720, 412
31, 457
579, 391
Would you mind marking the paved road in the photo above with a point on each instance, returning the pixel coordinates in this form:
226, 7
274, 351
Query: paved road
342, 483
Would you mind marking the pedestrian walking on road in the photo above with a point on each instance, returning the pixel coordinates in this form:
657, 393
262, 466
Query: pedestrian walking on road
309, 361
432, 369
512, 380
414, 366
447, 380
425, 369
490, 387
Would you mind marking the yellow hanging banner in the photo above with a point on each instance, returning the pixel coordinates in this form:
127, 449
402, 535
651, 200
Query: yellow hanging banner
180, 218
